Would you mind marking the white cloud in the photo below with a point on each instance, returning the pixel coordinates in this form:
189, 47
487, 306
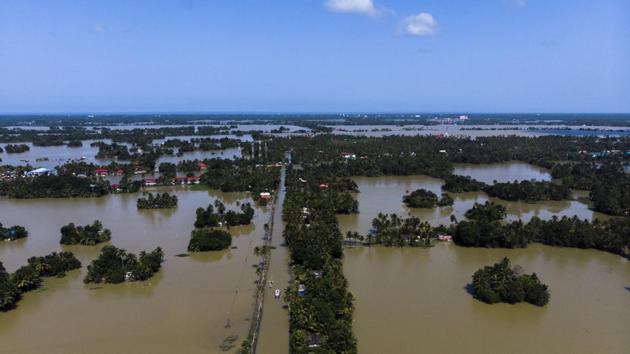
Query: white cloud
422, 24
365, 7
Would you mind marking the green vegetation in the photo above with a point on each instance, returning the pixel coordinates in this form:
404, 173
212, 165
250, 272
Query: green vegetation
202, 240
62, 186
54, 264
421, 198
528, 191
85, 235
12, 233
222, 217
240, 176
16, 148
500, 283
486, 229
29, 277
460, 184
26, 278
9, 293
159, 201
489, 211
446, 200
320, 310
390, 230
608, 183
115, 265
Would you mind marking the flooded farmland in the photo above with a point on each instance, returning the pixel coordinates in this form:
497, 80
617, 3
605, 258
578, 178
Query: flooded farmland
410, 298
190, 306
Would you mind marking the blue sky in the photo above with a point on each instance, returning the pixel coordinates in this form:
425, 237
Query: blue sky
315, 56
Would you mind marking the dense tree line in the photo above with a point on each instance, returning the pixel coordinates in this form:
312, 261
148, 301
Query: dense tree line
321, 307
16, 148
12, 233
62, 186
608, 183
422, 198
203, 240
29, 277
460, 184
528, 191
218, 215
115, 265
486, 229
240, 176
157, 201
489, 211
391, 230
501, 283
85, 235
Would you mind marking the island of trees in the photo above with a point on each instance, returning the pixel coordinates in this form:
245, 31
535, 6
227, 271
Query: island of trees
85, 235
29, 277
502, 283
218, 215
422, 198
16, 148
12, 233
158, 201
115, 265
391, 230
203, 240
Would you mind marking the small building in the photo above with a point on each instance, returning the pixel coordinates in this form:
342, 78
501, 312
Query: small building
120, 172
265, 195
193, 180
301, 290
446, 238
202, 166
323, 185
101, 172
39, 172
150, 182
348, 156
181, 180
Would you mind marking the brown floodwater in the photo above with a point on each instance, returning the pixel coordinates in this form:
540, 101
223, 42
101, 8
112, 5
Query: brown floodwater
190, 306
411, 300
503, 172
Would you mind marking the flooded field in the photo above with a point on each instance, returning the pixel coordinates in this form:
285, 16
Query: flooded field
503, 172
408, 299
475, 130
51, 156
190, 306
411, 300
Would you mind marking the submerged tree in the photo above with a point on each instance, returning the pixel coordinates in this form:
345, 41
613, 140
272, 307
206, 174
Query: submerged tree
501, 283
85, 235
421, 198
202, 240
115, 265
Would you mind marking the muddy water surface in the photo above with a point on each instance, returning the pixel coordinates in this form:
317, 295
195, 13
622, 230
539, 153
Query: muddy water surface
190, 306
414, 300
